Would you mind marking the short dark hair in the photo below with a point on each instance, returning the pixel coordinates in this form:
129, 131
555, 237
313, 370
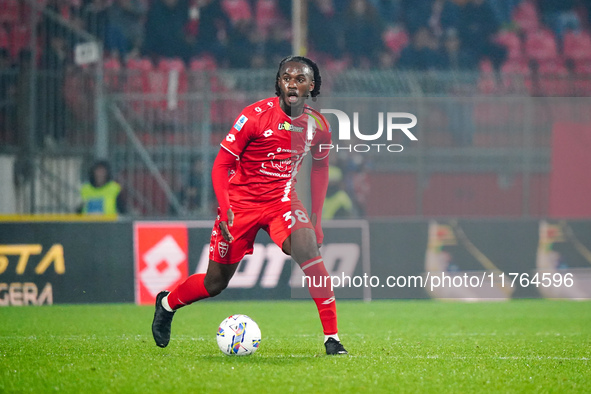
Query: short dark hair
304, 60
99, 163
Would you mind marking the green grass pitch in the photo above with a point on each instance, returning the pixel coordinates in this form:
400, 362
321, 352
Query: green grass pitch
395, 346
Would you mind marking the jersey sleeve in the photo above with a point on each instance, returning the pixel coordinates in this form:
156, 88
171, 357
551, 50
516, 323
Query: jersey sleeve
321, 144
240, 134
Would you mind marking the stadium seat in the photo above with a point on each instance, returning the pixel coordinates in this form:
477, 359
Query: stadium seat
203, 63
112, 69
526, 16
266, 14
487, 82
11, 11
4, 39
166, 84
512, 42
577, 45
583, 78
395, 39
541, 45
137, 81
145, 195
237, 10
516, 77
553, 79
19, 39
77, 84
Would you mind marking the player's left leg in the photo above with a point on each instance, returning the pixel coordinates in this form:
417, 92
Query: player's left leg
302, 246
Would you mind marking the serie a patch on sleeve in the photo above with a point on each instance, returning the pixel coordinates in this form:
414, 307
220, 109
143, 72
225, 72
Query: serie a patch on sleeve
240, 122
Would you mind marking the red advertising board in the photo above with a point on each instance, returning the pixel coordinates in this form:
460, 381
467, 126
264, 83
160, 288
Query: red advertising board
570, 183
161, 258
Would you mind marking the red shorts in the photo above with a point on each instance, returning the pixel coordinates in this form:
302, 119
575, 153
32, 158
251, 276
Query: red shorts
278, 220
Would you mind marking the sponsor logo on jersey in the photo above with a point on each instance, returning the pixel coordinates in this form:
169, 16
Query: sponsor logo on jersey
223, 249
289, 127
230, 138
268, 133
240, 122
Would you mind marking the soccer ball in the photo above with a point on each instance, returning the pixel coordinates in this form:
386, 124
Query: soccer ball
238, 335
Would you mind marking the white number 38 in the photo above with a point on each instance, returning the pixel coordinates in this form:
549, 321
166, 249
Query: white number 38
299, 214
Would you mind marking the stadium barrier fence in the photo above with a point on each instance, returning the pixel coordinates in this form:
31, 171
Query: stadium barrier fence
85, 261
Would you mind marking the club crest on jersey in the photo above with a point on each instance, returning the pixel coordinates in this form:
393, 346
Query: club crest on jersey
289, 127
223, 249
240, 122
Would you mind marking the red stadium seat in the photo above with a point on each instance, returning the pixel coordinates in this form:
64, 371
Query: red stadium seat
11, 11
541, 45
516, 77
395, 39
112, 69
19, 39
202, 80
553, 79
526, 16
4, 39
167, 83
583, 78
266, 14
137, 81
577, 46
487, 81
512, 42
203, 63
237, 10
144, 193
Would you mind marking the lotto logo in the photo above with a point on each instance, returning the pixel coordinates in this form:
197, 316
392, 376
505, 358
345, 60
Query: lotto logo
230, 138
160, 259
268, 133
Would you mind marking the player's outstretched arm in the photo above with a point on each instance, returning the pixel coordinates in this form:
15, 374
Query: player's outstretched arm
223, 164
318, 187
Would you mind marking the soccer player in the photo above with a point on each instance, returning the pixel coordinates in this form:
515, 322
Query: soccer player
254, 176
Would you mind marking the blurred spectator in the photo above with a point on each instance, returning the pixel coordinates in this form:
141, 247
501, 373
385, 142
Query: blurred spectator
503, 9
560, 16
94, 16
190, 195
125, 27
50, 93
324, 27
7, 96
357, 182
165, 30
454, 58
390, 10
23, 94
101, 195
245, 45
278, 45
416, 13
212, 28
337, 204
363, 33
423, 53
476, 25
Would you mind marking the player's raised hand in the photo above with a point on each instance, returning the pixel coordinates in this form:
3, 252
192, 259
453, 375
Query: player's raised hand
225, 226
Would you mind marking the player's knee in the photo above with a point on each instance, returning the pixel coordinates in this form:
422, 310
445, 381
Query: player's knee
301, 253
215, 286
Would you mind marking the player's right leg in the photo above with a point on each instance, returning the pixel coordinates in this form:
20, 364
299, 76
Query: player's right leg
196, 287
223, 262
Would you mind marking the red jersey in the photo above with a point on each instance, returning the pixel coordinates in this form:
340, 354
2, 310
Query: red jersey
271, 146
